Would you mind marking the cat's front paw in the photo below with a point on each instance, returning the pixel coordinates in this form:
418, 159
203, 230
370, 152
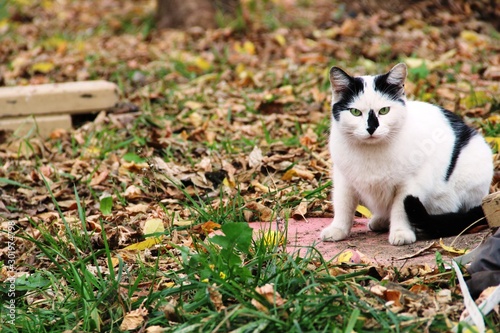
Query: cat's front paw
332, 234
402, 237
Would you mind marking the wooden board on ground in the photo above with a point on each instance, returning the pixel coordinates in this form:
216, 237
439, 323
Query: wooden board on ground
47, 107
43, 125
491, 208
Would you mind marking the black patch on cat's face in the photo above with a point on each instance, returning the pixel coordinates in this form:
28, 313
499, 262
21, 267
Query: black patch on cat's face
463, 134
392, 91
347, 95
372, 122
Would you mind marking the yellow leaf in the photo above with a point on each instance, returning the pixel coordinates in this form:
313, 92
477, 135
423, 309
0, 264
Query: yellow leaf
249, 47
150, 227
272, 238
469, 36
114, 261
153, 226
202, 64
42, 67
304, 174
364, 211
452, 249
229, 183
54, 43
289, 174
348, 256
494, 119
494, 140
280, 39
4, 26
145, 244
240, 68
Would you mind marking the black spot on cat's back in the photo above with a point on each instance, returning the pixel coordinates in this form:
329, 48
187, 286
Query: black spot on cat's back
463, 134
355, 88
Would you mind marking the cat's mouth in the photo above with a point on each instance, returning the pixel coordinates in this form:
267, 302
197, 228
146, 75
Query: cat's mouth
373, 138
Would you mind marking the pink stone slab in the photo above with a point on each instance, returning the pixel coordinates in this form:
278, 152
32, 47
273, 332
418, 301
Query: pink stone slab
305, 233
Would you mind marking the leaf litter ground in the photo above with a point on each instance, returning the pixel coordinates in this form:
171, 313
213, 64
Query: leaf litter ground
218, 126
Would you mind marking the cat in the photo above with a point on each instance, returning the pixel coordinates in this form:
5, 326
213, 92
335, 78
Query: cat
416, 166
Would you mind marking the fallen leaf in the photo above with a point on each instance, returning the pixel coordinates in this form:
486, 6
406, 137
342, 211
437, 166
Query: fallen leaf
259, 211
133, 319
296, 172
255, 157
393, 296
155, 329
444, 296
271, 296
216, 298
132, 192
153, 226
202, 64
145, 244
42, 67
364, 211
301, 210
272, 238
452, 249
349, 257
493, 140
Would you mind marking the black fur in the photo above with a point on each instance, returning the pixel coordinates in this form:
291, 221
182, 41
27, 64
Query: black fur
392, 91
372, 122
463, 134
355, 87
441, 225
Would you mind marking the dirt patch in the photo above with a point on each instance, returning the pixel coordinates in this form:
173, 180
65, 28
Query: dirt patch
305, 233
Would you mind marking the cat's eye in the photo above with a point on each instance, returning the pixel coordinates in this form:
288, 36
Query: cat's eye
384, 110
355, 112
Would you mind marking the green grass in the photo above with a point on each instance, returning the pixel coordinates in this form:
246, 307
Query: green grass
80, 293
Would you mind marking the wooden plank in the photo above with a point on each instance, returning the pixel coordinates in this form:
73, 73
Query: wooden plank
57, 98
43, 125
491, 208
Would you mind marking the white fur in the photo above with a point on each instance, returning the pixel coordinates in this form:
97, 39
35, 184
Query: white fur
408, 154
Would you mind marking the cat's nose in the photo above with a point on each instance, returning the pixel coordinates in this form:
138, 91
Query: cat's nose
372, 122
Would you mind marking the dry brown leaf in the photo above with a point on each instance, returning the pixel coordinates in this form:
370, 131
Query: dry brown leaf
301, 210
255, 157
155, 329
98, 178
260, 187
133, 319
132, 192
137, 208
444, 296
296, 172
271, 296
216, 298
260, 211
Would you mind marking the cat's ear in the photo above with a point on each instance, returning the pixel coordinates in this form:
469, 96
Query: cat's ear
397, 75
339, 80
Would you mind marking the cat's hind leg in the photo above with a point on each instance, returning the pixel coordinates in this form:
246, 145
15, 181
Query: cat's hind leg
345, 200
378, 223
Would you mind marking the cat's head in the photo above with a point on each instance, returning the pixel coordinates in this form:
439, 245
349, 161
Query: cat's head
369, 109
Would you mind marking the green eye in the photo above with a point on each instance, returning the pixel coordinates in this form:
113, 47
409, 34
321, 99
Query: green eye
384, 110
355, 112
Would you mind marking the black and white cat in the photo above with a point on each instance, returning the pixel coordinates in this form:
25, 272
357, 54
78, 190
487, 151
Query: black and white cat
416, 166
